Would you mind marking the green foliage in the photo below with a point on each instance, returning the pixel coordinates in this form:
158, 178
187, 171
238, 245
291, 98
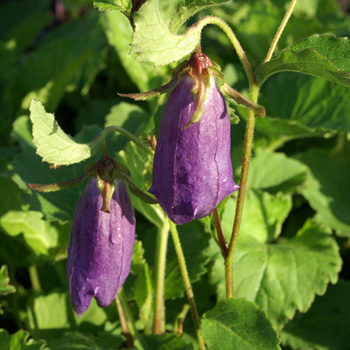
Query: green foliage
60, 76
225, 322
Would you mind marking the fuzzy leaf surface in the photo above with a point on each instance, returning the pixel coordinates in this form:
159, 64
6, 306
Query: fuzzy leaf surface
153, 40
238, 324
322, 56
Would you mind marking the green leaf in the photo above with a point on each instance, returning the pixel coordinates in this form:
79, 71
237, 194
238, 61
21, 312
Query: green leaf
238, 324
284, 277
39, 235
143, 291
115, 5
275, 172
327, 188
68, 59
5, 286
20, 341
85, 341
326, 325
119, 33
314, 104
53, 144
153, 40
161, 342
187, 9
263, 215
321, 56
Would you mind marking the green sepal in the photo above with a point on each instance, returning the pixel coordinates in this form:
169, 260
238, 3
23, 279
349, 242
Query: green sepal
228, 91
61, 185
106, 190
200, 92
133, 188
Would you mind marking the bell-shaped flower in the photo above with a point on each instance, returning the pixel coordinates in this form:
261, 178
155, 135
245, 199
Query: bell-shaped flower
192, 169
101, 246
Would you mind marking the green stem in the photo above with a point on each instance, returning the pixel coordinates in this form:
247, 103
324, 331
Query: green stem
126, 318
221, 238
280, 30
234, 41
162, 244
187, 283
127, 134
248, 146
34, 278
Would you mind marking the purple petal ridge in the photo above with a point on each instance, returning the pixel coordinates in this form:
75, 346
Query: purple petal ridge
101, 247
192, 169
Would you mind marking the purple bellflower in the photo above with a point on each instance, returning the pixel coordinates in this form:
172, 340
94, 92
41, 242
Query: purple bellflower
192, 169
101, 246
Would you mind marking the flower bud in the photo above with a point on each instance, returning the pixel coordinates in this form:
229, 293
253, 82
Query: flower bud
192, 169
101, 246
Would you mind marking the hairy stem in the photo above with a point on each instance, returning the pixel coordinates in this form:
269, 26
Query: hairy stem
280, 30
221, 238
124, 323
234, 41
248, 145
187, 283
162, 244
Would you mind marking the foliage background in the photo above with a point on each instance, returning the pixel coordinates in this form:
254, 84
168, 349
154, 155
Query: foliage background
293, 254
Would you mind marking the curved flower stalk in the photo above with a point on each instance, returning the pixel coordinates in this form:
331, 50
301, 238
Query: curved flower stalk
101, 246
192, 169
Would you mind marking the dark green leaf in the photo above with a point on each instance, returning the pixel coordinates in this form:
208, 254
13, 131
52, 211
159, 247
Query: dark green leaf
326, 325
161, 342
327, 189
238, 324
321, 56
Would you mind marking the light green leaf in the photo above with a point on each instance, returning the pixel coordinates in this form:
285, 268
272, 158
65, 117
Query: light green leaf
19, 341
5, 286
322, 56
187, 9
275, 172
38, 234
327, 189
238, 324
153, 40
53, 144
263, 215
285, 276
326, 325
116, 5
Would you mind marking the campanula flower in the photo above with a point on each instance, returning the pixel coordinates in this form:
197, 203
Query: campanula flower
192, 169
101, 246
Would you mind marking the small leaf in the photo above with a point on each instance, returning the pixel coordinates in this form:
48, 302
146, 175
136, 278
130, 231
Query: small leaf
238, 324
19, 341
115, 5
153, 40
188, 8
53, 144
322, 56
5, 287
